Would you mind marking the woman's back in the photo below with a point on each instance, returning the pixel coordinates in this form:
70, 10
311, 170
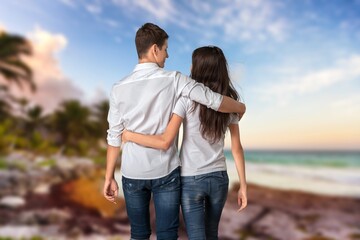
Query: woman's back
198, 155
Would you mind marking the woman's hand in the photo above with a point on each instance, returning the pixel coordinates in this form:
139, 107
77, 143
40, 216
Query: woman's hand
242, 198
125, 136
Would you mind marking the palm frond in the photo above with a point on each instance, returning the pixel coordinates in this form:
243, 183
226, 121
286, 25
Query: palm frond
13, 69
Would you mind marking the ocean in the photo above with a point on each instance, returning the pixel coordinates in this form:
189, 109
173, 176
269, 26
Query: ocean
331, 173
337, 159
335, 173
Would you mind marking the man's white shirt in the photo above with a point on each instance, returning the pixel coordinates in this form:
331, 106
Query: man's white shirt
143, 102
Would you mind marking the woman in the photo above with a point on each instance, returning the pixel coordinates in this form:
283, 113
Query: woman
204, 177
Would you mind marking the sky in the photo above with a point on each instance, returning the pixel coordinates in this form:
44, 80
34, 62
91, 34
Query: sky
296, 64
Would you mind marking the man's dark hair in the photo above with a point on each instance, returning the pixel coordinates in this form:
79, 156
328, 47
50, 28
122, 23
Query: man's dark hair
148, 35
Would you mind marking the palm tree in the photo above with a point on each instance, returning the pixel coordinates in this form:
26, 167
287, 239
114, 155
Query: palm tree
34, 118
4, 110
4, 105
12, 67
23, 105
101, 112
73, 125
34, 115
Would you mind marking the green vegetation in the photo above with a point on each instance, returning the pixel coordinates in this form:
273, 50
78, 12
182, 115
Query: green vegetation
31, 238
36, 238
47, 163
73, 129
12, 67
100, 159
3, 164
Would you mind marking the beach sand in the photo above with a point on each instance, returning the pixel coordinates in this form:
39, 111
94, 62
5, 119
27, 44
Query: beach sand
290, 215
293, 203
318, 180
284, 203
270, 214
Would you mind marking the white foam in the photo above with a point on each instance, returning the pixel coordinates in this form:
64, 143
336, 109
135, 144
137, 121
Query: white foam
320, 180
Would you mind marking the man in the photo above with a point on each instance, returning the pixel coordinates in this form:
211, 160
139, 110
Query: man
143, 102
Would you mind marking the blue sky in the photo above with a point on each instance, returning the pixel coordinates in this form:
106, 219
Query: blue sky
295, 63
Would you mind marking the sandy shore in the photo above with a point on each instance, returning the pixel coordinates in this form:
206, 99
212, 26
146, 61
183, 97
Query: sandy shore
318, 180
65, 202
271, 214
290, 215
342, 182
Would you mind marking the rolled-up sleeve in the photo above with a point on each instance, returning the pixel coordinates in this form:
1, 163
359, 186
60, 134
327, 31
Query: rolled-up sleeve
234, 118
115, 122
198, 92
201, 94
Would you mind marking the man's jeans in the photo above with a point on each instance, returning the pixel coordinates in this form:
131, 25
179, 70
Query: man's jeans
202, 200
166, 194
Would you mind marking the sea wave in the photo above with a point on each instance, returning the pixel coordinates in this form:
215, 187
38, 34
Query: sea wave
314, 179
334, 159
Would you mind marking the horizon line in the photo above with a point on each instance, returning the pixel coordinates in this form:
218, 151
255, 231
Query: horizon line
297, 150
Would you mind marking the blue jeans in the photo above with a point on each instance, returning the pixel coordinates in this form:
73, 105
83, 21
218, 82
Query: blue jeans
202, 201
166, 194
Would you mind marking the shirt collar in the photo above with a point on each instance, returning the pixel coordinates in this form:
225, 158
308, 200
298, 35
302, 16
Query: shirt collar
148, 65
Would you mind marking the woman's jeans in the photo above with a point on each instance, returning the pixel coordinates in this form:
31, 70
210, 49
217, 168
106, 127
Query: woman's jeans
202, 201
166, 194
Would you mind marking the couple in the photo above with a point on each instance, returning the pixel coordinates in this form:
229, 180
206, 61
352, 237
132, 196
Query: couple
146, 110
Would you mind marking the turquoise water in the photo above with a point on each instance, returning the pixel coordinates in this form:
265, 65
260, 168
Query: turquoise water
337, 159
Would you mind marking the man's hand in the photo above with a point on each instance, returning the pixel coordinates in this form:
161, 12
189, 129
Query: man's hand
110, 190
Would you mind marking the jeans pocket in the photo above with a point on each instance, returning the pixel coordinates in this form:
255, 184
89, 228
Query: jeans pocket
129, 185
222, 181
171, 183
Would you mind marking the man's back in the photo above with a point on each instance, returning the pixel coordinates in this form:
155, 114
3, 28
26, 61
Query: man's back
144, 100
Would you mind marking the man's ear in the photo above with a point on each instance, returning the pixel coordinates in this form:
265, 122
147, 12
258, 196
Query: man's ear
154, 49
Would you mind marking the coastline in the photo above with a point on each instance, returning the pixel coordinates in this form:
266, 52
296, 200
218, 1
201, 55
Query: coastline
326, 181
311, 179
290, 214
64, 201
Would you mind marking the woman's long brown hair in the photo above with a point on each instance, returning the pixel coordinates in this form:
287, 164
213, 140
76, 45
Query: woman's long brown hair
209, 66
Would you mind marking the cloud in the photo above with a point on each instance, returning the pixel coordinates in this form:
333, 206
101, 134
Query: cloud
244, 20
237, 72
70, 3
249, 20
53, 86
96, 9
350, 105
160, 9
111, 23
45, 47
93, 8
343, 70
96, 96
